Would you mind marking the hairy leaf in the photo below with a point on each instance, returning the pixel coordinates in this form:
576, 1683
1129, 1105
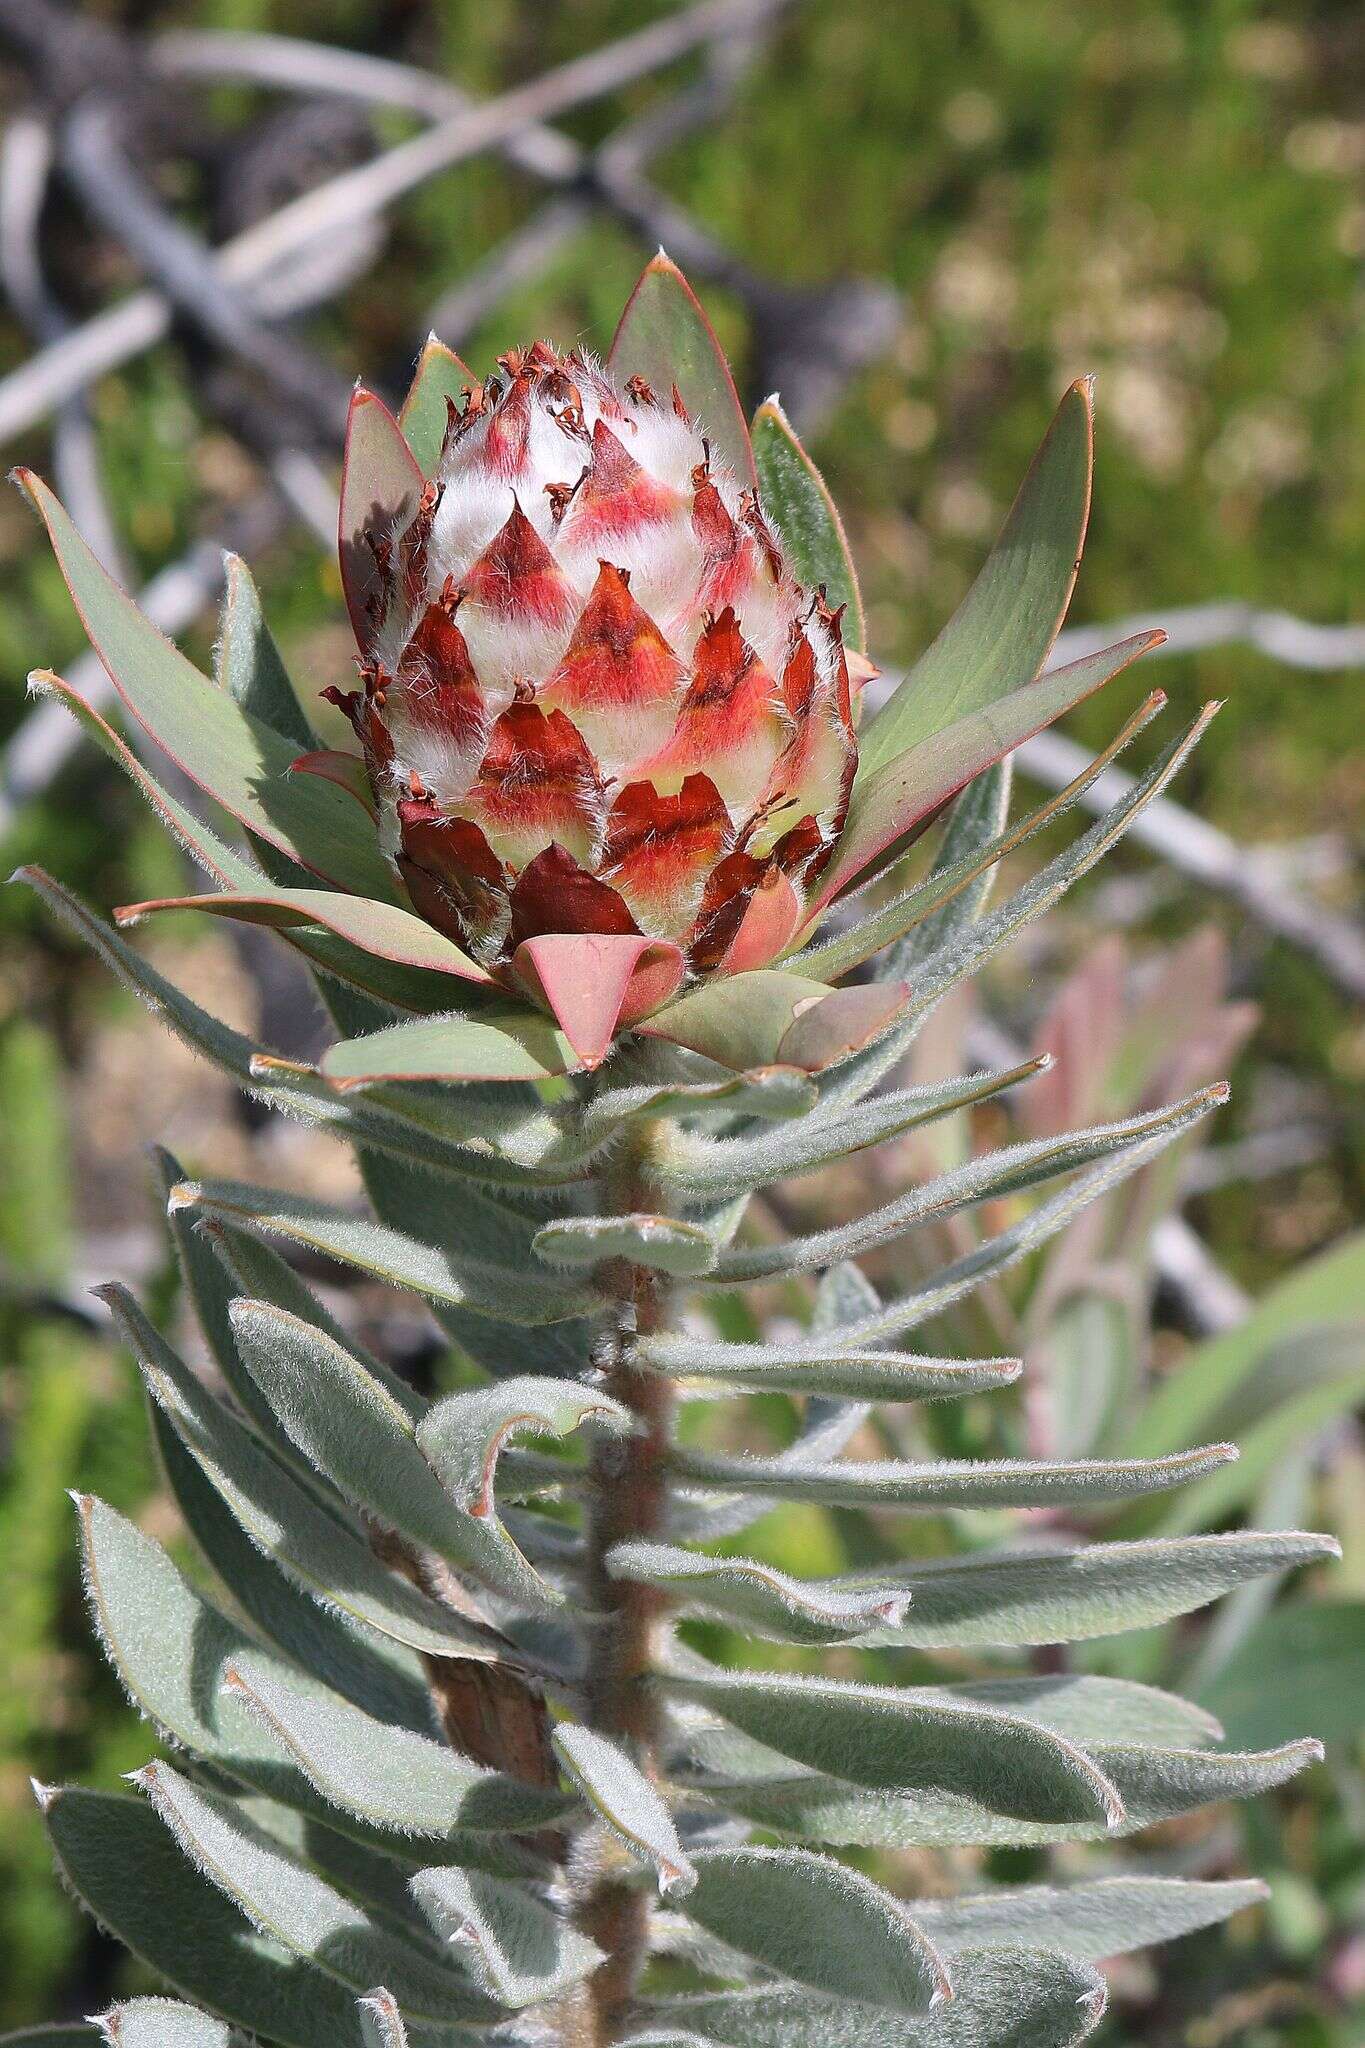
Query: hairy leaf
352, 1429
321, 1554
442, 1273
161, 2023
1020, 1999
296, 1908
955, 1483
1071, 1594
881, 1737
698, 1167
517, 1949
120, 1861
989, 1178
802, 1367
1154, 1784
391, 1777
463, 1436
663, 1243
627, 1802
757, 1596
1106, 1918
810, 1919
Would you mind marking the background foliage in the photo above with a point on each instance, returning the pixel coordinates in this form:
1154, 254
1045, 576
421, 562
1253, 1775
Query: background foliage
1166, 194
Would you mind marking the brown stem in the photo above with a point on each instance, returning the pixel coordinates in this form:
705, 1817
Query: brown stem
628, 1496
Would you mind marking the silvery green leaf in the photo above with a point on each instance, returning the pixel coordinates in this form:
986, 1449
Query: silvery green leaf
377, 1673
390, 1777
618, 1791
996, 1174
247, 663
350, 1428
882, 1737
463, 1436
803, 1366
995, 1255
978, 818
507, 1292
290, 1525
293, 1906
170, 1647
161, 2023
517, 1949
1088, 1709
208, 1284
775, 1094
975, 943
810, 1919
1019, 1999
348, 1855
695, 1166
122, 1864
663, 1243
1070, 1594
1109, 1917
757, 1596
379, 1121
1154, 1784
381, 2022
259, 1273
427, 1210
952, 1482
923, 897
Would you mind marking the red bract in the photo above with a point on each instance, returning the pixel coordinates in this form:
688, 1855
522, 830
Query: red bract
595, 697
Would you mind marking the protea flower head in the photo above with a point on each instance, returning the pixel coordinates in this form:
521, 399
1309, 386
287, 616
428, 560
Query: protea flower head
610, 656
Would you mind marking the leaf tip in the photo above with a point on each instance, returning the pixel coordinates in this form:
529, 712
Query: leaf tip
186, 1194
43, 1794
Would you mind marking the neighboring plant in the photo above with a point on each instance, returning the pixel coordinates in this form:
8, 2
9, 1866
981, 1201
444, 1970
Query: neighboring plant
448, 1764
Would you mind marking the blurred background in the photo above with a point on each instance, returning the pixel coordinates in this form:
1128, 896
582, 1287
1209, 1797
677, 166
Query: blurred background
919, 223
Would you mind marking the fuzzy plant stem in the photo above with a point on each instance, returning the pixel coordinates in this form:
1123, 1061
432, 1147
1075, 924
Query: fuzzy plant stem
627, 1501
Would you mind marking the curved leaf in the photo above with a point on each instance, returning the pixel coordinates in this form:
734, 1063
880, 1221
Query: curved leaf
240, 762
1013, 2000
663, 1243
881, 1737
797, 497
811, 1919
1107, 1918
664, 336
380, 928
390, 1777
756, 1596
463, 1436
953, 1482
518, 1949
627, 1802
1002, 632
296, 1908
247, 662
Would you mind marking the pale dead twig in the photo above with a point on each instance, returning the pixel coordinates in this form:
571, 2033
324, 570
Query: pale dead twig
355, 197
